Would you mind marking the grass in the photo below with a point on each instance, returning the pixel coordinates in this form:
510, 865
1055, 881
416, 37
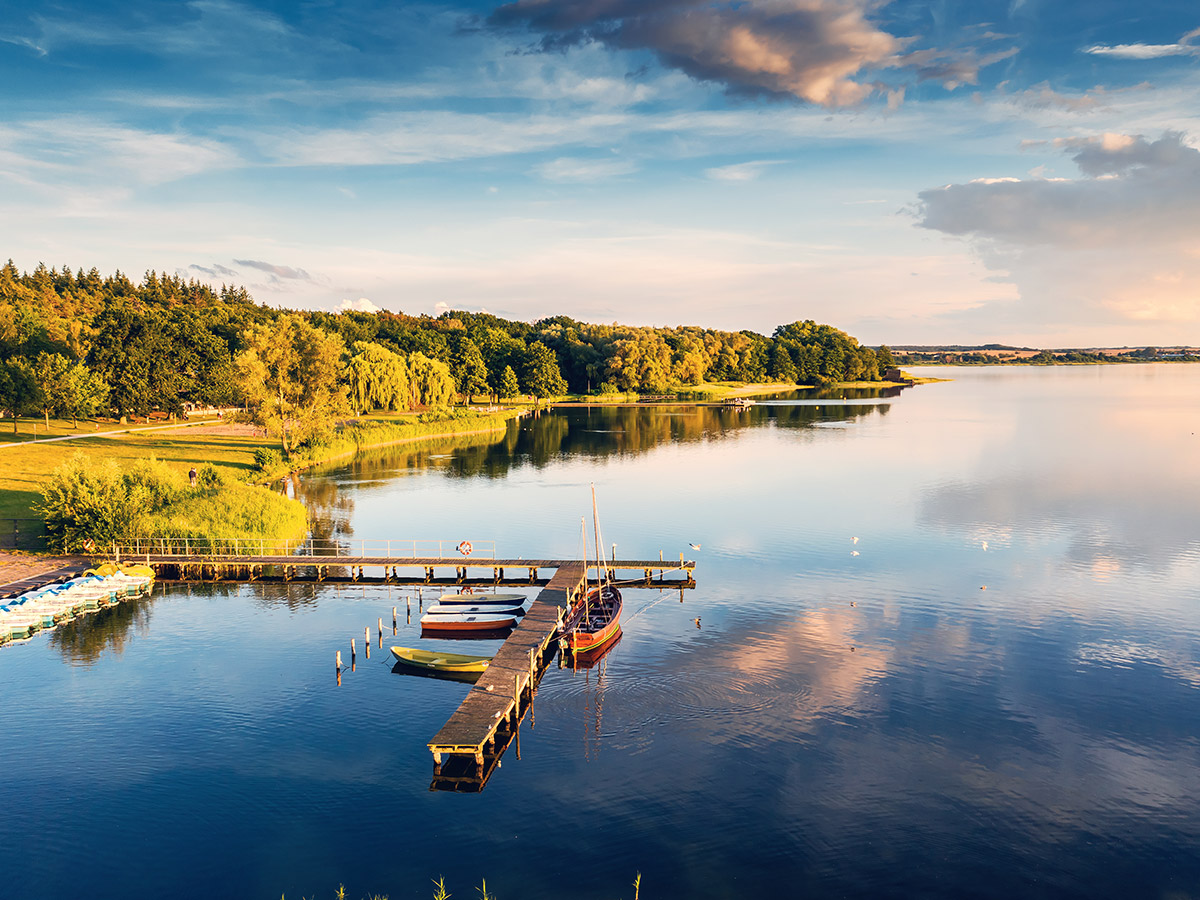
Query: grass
375, 431
24, 466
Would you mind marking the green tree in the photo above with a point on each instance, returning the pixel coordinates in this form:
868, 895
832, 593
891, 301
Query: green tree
508, 386
377, 378
543, 378
782, 367
291, 378
19, 391
83, 393
470, 372
431, 383
50, 371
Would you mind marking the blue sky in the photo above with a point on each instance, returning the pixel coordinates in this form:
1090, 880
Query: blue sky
911, 172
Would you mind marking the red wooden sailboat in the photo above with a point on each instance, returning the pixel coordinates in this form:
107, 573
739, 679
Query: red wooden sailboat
595, 619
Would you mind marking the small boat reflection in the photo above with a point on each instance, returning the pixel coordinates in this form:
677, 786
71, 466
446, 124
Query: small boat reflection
464, 677
495, 634
589, 659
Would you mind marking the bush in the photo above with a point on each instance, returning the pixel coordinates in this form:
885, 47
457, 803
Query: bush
96, 502
84, 501
267, 459
211, 478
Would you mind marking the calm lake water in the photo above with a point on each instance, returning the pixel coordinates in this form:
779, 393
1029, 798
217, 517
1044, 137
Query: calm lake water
839, 725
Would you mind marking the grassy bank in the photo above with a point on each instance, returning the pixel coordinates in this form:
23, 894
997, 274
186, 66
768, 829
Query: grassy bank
91, 504
719, 391
371, 432
233, 449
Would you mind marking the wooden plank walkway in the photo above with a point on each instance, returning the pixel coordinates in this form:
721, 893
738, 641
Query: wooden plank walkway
467, 570
505, 688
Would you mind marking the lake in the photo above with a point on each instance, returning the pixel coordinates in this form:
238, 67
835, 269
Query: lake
942, 644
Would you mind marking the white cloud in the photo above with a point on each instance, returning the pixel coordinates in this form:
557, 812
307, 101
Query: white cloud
362, 304
1182, 47
746, 171
1119, 246
77, 149
572, 169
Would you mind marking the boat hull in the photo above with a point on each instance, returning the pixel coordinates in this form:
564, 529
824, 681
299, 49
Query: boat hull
595, 623
441, 662
476, 622
482, 599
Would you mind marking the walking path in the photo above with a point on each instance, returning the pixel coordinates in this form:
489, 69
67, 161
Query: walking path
75, 437
20, 572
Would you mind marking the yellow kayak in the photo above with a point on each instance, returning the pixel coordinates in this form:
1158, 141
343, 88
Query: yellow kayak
441, 662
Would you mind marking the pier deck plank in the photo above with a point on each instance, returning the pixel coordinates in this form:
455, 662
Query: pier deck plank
493, 699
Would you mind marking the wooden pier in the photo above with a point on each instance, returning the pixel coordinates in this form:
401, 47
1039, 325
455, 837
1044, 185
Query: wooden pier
468, 747
483, 726
357, 569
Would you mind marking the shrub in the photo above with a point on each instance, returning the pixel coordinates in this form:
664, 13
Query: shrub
211, 478
267, 459
85, 501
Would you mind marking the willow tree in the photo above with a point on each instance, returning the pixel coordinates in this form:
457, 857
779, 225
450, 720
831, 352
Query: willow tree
431, 383
291, 376
377, 378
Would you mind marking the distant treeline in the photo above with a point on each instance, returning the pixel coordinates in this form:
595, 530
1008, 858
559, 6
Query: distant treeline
75, 344
1007, 356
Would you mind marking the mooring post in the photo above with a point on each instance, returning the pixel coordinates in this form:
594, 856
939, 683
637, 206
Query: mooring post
353, 651
393, 621
367, 640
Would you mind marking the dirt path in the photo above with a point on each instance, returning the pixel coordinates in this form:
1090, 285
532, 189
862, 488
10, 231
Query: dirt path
20, 572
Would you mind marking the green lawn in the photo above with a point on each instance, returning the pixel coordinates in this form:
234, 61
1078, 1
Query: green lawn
23, 468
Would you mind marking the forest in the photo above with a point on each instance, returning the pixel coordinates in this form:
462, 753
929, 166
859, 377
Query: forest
76, 344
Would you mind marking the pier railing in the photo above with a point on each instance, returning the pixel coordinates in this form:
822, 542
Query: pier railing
389, 549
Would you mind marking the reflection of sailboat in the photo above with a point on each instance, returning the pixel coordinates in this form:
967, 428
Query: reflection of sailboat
597, 659
595, 619
589, 659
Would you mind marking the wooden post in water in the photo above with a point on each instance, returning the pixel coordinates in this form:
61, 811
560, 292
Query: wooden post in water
393, 621
353, 651
367, 640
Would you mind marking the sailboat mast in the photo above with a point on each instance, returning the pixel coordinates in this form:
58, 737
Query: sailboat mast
600, 560
583, 532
